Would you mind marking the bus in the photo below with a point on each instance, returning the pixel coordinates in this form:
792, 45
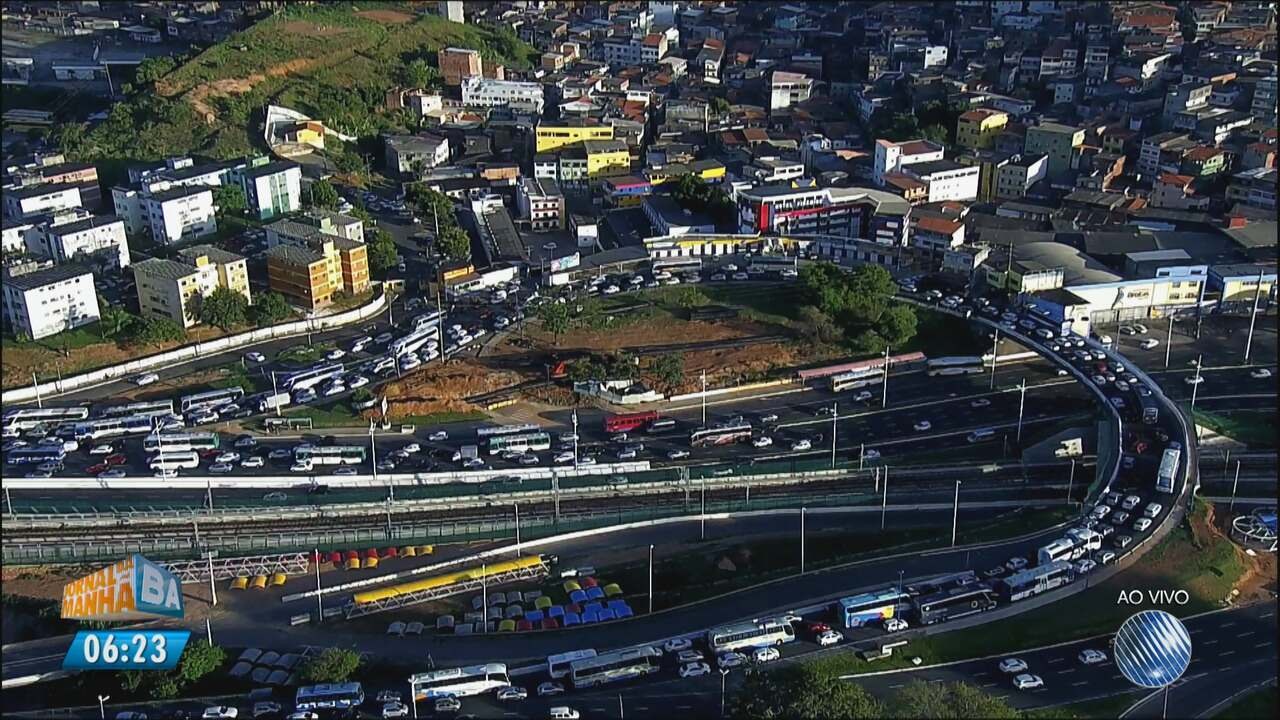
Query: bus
338, 696
1036, 580
114, 427
772, 263
36, 454
855, 379
495, 430
956, 602
210, 399
873, 607
721, 434
1168, 469
188, 460
330, 455
428, 319
560, 665
155, 408
459, 682
310, 377
617, 665
955, 366
180, 442
519, 443
942, 582
1064, 549
29, 418
676, 265
626, 422
416, 339
752, 634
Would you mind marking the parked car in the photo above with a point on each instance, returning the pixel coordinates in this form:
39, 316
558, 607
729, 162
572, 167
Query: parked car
731, 660
677, 454
763, 655
220, 712
675, 645
512, 692
801, 445
255, 357
1092, 657
448, 704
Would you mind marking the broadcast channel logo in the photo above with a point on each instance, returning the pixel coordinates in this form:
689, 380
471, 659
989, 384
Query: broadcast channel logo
1153, 649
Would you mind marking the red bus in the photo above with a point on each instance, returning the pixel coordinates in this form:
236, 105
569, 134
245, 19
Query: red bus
626, 422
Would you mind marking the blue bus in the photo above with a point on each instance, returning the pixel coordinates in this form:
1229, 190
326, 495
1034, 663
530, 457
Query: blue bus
873, 607
337, 696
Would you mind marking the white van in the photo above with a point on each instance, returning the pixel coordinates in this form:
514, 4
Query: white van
981, 435
561, 712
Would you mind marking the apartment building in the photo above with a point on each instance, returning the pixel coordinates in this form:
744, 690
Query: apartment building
486, 92
170, 213
854, 213
946, 180
1014, 179
173, 288
78, 236
978, 128
272, 189
52, 169
21, 203
1057, 141
549, 137
1255, 188
788, 88
312, 273
456, 64
411, 155
893, 156
541, 203
43, 299
301, 228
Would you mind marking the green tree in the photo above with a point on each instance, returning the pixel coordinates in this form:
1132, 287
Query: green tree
801, 691
692, 192
382, 251
152, 69
157, 330
362, 395
131, 680
199, 659
70, 139
668, 368
331, 666
165, 687
115, 319
454, 243
584, 369
323, 195
224, 308
230, 199
687, 297
952, 701
433, 207
270, 309
818, 327
718, 106
555, 319
622, 366
418, 74
897, 324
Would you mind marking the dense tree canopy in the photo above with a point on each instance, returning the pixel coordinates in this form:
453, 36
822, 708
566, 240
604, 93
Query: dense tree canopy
323, 195
224, 308
801, 691
382, 251
859, 304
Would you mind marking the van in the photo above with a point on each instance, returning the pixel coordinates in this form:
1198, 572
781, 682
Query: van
981, 435
563, 713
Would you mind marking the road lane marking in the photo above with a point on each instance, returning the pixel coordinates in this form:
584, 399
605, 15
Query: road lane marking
1209, 642
1226, 653
1245, 634
1082, 682
1056, 660
1263, 644
895, 687
1068, 670
987, 685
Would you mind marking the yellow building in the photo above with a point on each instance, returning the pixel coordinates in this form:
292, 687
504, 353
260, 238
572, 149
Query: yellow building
978, 128
308, 132
556, 136
173, 288
312, 274
607, 158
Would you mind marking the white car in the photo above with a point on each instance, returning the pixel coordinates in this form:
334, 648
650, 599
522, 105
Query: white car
689, 655
1260, 374
871, 454
1193, 379
227, 457
1092, 657
675, 645
827, 638
438, 435
1141, 524
220, 712
677, 454
1016, 563
547, 689
1027, 681
512, 692
145, 379
895, 625
334, 389
447, 703
863, 396
1130, 502
731, 660
1013, 665
1149, 344
730, 268
586, 460
253, 461
563, 712
220, 468
979, 403
800, 445
335, 354
764, 655
717, 277
789, 273
694, 669
395, 710
357, 381
763, 441
300, 466
1085, 566
612, 290
255, 357
740, 276
101, 450
922, 426
562, 458
412, 448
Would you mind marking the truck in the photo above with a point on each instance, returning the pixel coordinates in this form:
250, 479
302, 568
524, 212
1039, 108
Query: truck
273, 401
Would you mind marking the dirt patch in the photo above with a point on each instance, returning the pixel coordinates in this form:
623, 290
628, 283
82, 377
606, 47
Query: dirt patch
443, 388
41, 581
1258, 581
199, 95
667, 331
386, 17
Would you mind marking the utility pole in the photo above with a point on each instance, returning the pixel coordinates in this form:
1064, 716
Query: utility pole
704, 509
1195, 387
955, 515
1253, 318
213, 589
517, 506
319, 595
575, 449
884, 382
102, 710
1234, 485
274, 392
484, 595
862, 449
1071, 479
835, 413
704, 398
650, 579
884, 500
36, 384
1168, 342
995, 355
373, 451
1022, 399
802, 540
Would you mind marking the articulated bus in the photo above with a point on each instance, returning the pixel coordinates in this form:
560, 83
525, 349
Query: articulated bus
331, 455
210, 399
855, 379
175, 461
626, 422
873, 607
561, 664
180, 442
721, 435
115, 427
155, 408
459, 682
1036, 580
338, 696
1168, 470
494, 430
310, 377
955, 366
36, 454
752, 634
956, 602
519, 443
614, 666
28, 418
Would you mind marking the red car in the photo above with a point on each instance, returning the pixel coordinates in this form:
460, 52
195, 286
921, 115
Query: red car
97, 469
814, 627
116, 459
209, 453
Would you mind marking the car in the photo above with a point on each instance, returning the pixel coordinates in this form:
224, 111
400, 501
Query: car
255, 357
227, 457
395, 710
384, 338
763, 441
1131, 502
689, 655
512, 692
280, 454
145, 379
221, 468
586, 460
829, 638
1141, 524
740, 276
304, 396
1152, 510
220, 712
131, 715
1127, 330
1016, 564
112, 474
871, 454
694, 669
677, 454
245, 441
1119, 518
801, 445
95, 450
1028, 681
1090, 656
1117, 402
763, 655
731, 660
1193, 379
448, 703
1122, 386
718, 277
528, 459
769, 418
300, 466
994, 572
922, 426
1099, 379
550, 688
266, 707
1122, 541
1260, 373
729, 267
345, 470
675, 645
1085, 566
334, 388
438, 435
895, 625
563, 712
357, 381
1106, 557
1149, 344
979, 403
335, 354
1013, 665
562, 458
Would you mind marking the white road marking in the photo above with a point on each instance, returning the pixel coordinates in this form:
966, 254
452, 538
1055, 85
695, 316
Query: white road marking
1056, 660
1246, 634
1226, 653
1263, 644
1082, 682
1209, 642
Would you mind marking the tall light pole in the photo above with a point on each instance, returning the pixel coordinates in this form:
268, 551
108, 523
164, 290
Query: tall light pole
373, 452
319, 595
704, 398
1168, 342
835, 413
703, 513
650, 579
995, 355
1195, 385
575, 443
1234, 485
1022, 400
1253, 318
213, 589
884, 500
802, 510
1071, 479
724, 673
102, 708
517, 506
862, 450
484, 595
884, 381
955, 515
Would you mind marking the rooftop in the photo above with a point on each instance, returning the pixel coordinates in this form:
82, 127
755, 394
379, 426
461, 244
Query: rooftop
215, 254
294, 255
270, 168
81, 225
162, 268
47, 276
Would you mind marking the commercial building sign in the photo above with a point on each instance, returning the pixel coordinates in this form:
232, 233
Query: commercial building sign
565, 263
132, 589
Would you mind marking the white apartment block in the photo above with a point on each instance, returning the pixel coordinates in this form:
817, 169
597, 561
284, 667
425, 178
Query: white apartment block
21, 203
892, 157
13, 238
43, 302
81, 237
486, 92
946, 180
787, 89
171, 214
272, 189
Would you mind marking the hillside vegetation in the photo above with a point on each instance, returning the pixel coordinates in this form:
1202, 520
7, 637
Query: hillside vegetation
334, 62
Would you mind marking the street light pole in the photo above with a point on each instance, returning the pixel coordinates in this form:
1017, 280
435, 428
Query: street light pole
319, 595
1195, 386
884, 501
213, 589
1234, 485
102, 708
373, 453
995, 355
575, 441
862, 449
955, 515
884, 382
704, 398
650, 579
1071, 479
1253, 318
835, 413
1168, 342
517, 505
703, 513
1022, 399
802, 540
484, 596
724, 673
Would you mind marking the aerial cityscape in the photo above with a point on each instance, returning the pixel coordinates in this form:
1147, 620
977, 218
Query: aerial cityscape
587, 360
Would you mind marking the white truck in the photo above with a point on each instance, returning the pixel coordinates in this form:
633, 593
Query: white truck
272, 401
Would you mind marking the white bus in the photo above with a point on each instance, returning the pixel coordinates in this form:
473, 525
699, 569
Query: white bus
1034, 581
855, 379
955, 366
338, 696
520, 443
428, 335
175, 461
494, 430
28, 418
309, 378
560, 665
180, 442
459, 682
1064, 549
115, 427
155, 408
36, 455
616, 665
752, 634
1168, 470
331, 455
210, 399
723, 434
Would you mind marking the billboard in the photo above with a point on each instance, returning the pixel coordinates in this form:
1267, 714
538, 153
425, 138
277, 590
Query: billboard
565, 263
134, 588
